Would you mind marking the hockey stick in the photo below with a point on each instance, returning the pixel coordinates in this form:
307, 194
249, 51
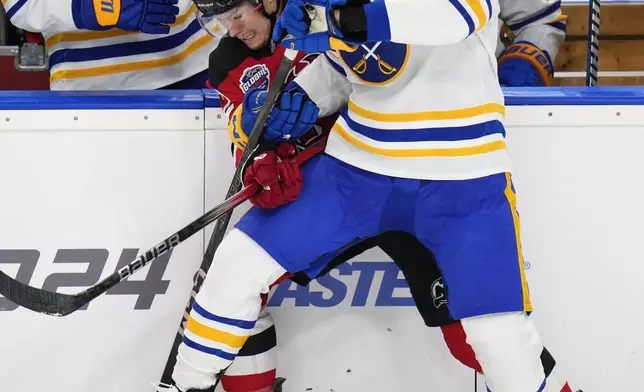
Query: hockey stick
58, 304
592, 54
220, 228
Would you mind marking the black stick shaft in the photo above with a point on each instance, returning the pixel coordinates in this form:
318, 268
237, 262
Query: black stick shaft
58, 304
220, 228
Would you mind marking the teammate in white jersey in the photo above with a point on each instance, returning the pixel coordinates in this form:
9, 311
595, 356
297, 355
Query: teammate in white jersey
420, 148
119, 44
538, 30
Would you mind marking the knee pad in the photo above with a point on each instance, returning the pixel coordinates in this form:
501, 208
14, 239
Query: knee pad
241, 269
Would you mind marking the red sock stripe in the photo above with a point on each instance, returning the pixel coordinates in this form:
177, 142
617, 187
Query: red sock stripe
456, 340
248, 382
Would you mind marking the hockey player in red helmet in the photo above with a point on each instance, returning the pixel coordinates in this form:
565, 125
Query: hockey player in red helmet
247, 20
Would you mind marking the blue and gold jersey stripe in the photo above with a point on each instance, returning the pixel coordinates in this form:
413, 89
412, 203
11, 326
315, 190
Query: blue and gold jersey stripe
487, 147
453, 133
199, 43
454, 114
479, 12
124, 49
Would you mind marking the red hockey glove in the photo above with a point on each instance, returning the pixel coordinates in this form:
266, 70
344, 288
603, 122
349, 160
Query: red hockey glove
278, 174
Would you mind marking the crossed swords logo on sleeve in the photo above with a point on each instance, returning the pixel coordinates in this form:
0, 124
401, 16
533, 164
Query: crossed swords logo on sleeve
361, 66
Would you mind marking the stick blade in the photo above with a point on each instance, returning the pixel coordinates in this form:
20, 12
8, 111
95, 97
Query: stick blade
38, 300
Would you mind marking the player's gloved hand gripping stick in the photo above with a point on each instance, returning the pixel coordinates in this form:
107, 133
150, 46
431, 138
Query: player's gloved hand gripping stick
312, 26
58, 304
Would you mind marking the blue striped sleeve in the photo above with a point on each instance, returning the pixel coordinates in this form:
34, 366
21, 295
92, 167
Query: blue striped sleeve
489, 9
16, 7
553, 8
468, 19
125, 49
417, 22
558, 25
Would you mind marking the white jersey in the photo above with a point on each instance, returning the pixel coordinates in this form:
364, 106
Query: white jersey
114, 59
427, 105
539, 22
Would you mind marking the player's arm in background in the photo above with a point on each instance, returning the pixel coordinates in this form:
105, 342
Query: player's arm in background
538, 30
55, 16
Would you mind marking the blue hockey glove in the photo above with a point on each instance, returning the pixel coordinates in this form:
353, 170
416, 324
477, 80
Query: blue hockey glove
310, 27
523, 65
147, 16
292, 116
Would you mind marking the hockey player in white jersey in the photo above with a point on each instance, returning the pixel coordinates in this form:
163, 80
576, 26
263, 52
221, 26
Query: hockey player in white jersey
119, 44
419, 148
